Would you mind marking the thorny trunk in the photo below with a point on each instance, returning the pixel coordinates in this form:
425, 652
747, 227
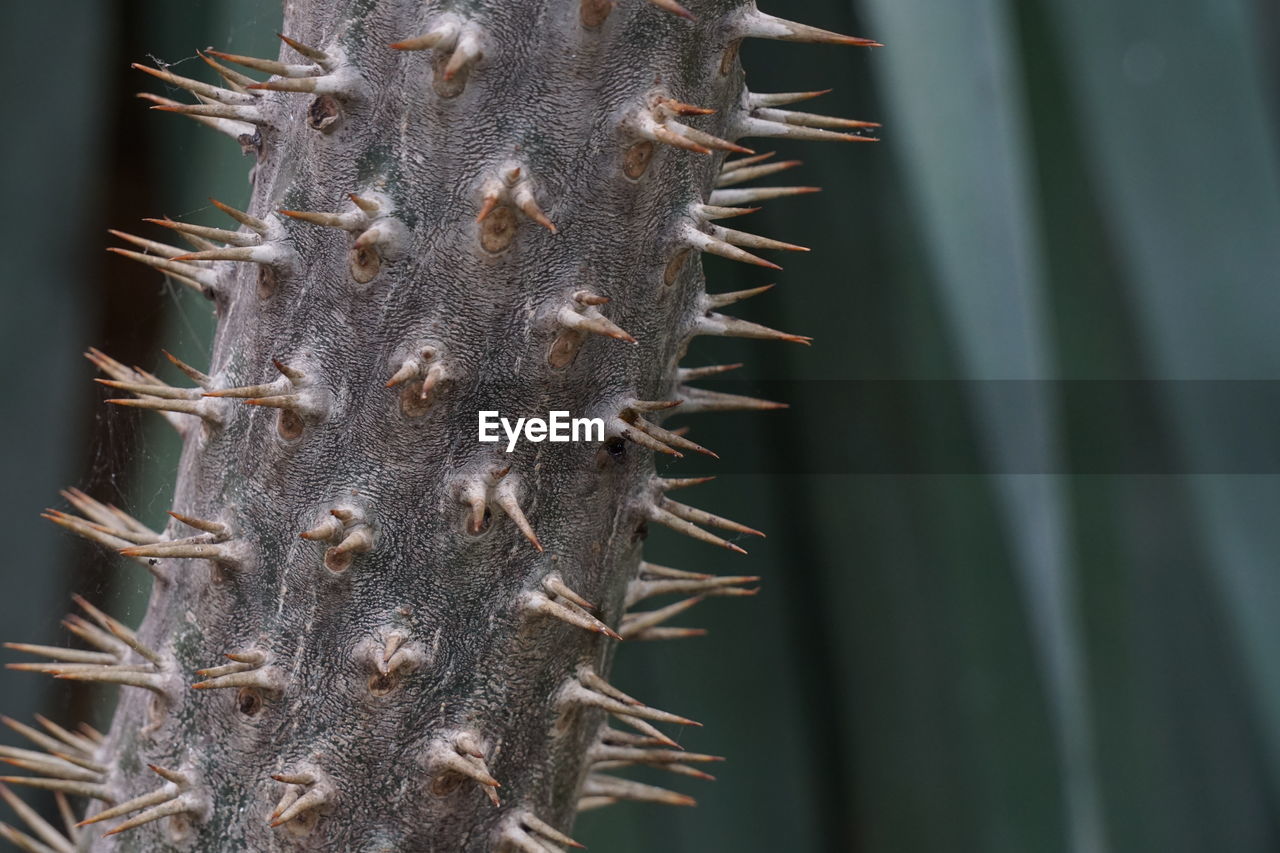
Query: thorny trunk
503, 213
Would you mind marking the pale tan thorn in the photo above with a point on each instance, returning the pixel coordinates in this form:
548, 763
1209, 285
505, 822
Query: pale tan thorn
127, 676
473, 768
698, 516
674, 8
42, 828
278, 401
218, 93
664, 517
634, 623
711, 212
264, 677
234, 78
164, 392
268, 66
68, 817
688, 374
235, 238
670, 438
39, 738
762, 127
742, 162
251, 222
751, 196
633, 755
411, 369
546, 830
290, 84
652, 405
444, 34
586, 297
702, 400
93, 635
648, 730
179, 550
586, 804
105, 622
540, 603
651, 634
228, 127
628, 431
67, 786
583, 695
312, 53
661, 133
45, 765
490, 202
100, 769
707, 243
196, 376
162, 250
815, 120
329, 528
761, 25
524, 199
653, 569
252, 254
177, 805
435, 374
111, 367
505, 498
58, 653
368, 205
466, 52
680, 108
668, 484
590, 678
217, 528
230, 112
514, 837
733, 327
706, 140
640, 589
599, 785
89, 732
555, 585
754, 241
358, 541
93, 532
751, 173
293, 374
595, 323
468, 744
97, 511
196, 278
611, 735
72, 740
720, 300
314, 798
22, 841
304, 778
781, 99
288, 798
326, 220
248, 391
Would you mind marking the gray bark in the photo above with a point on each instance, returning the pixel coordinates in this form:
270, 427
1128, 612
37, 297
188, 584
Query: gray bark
416, 644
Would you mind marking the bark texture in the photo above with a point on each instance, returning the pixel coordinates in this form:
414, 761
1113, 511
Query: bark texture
503, 213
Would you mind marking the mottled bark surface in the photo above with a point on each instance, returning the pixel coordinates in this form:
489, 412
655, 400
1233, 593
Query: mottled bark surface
521, 166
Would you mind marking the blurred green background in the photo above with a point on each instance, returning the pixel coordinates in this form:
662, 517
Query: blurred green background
1068, 241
